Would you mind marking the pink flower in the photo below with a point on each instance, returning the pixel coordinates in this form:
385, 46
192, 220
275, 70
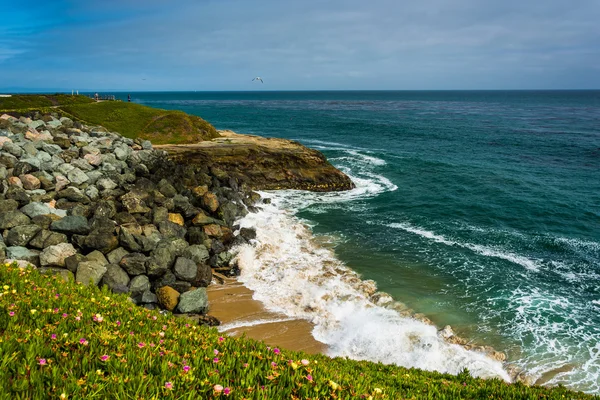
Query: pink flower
131, 333
161, 341
78, 318
186, 368
309, 378
169, 385
141, 345
118, 323
42, 361
216, 360
246, 365
276, 350
221, 338
161, 334
305, 362
57, 295
273, 364
154, 317
12, 313
226, 391
218, 388
53, 336
65, 315
164, 327
104, 357
83, 341
216, 351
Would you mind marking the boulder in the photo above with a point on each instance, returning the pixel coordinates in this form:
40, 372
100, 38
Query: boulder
170, 229
185, 269
13, 218
165, 280
72, 262
115, 278
71, 224
30, 182
166, 189
102, 241
23, 253
197, 253
134, 263
21, 235
115, 256
148, 297
194, 301
203, 276
210, 202
56, 255
167, 297
177, 219
65, 274
138, 285
90, 272
46, 238
77, 176
9, 205
36, 208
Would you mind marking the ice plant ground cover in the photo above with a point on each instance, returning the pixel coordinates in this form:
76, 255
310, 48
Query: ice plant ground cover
65, 340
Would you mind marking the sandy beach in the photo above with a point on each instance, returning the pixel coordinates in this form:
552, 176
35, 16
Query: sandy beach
232, 303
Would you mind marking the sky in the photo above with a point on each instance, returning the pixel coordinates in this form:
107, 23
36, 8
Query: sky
135, 45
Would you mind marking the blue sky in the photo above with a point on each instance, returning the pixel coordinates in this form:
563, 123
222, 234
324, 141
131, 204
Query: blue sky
130, 45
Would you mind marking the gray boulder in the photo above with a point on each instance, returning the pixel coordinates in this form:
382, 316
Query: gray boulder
197, 253
10, 219
185, 269
46, 238
37, 208
115, 256
195, 301
90, 272
115, 278
22, 235
138, 285
134, 263
71, 224
23, 253
56, 255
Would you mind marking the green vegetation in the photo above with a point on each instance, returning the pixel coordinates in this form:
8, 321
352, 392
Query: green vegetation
65, 340
29, 101
129, 119
134, 120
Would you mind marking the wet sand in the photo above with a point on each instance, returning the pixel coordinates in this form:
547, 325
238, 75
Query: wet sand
233, 305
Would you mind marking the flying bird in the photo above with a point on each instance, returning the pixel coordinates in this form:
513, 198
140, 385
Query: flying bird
258, 78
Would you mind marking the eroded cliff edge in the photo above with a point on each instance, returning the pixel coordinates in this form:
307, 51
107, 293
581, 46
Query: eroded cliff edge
260, 163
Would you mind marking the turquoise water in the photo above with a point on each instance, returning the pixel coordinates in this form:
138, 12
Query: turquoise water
487, 212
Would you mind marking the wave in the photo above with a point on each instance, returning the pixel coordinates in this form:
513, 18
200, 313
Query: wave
254, 322
528, 263
290, 273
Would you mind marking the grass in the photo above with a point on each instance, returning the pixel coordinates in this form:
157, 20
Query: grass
129, 119
28, 101
65, 340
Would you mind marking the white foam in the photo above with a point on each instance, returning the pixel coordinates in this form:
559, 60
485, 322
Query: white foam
247, 323
530, 264
290, 273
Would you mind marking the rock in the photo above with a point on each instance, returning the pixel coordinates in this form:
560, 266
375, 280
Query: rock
134, 204
82, 164
65, 274
166, 189
77, 176
72, 262
90, 271
167, 297
21, 235
210, 202
106, 184
139, 285
196, 235
213, 230
56, 255
73, 194
127, 240
13, 149
202, 219
46, 238
148, 297
134, 263
115, 256
146, 145
71, 224
181, 286
18, 194
8, 159
195, 301
197, 253
105, 208
61, 182
203, 276
248, 233
208, 320
13, 218
96, 256
9, 205
167, 279
15, 181
200, 191
102, 241
30, 182
23, 253
170, 229
160, 214
36, 208
185, 269
177, 219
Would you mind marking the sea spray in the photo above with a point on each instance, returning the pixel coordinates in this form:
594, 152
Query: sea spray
290, 273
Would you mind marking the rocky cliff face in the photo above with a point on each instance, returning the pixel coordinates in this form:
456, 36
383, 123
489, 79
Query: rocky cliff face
263, 163
99, 208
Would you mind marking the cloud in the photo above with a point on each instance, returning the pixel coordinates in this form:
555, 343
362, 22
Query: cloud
312, 44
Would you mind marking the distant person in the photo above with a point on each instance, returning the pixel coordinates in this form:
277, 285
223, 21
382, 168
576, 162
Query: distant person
96, 96
129, 98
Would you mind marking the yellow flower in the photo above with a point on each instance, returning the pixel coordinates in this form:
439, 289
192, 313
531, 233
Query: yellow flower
333, 385
63, 396
5, 287
294, 365
377, 390
106, 298
32, 311
99, 372
14, 291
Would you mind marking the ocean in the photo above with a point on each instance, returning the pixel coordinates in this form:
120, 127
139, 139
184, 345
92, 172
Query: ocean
476, 209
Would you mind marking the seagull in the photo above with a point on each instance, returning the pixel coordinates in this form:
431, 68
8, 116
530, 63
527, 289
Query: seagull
258, 78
